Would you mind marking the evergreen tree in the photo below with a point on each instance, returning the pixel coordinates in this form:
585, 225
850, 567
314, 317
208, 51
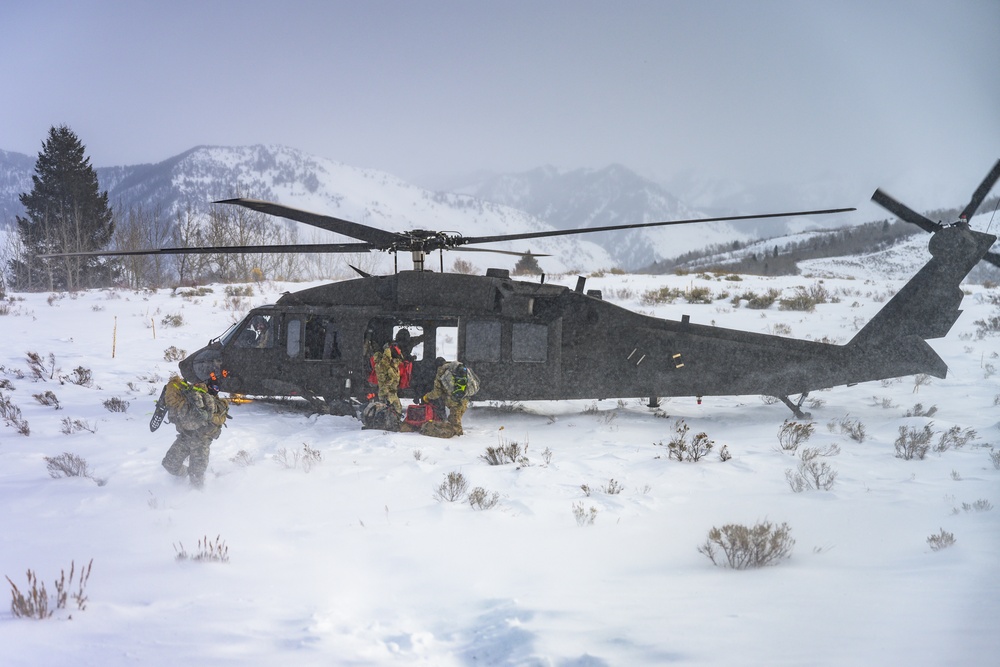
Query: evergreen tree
527, 265
64, 212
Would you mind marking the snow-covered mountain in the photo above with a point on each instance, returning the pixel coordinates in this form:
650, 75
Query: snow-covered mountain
536, 200
276, 173
611, 196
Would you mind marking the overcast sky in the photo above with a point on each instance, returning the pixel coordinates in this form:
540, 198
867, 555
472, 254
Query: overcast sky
903, 95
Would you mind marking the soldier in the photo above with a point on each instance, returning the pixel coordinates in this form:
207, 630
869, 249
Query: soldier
454, 384
198, 414
387, 375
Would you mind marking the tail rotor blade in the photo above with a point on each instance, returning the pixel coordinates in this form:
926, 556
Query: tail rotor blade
993, 258
980, 194
904, 212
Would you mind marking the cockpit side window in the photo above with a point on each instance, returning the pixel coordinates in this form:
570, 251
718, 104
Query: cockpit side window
260, 331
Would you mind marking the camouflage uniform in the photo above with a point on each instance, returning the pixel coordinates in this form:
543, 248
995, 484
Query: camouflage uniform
387, 373
198, 417
443, 392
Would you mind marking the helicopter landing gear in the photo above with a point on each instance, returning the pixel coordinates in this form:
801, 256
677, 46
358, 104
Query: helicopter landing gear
342, 407
796, 408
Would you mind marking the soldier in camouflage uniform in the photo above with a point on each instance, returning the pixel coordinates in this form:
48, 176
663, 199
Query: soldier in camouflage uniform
387, 373
455, 399
198, 414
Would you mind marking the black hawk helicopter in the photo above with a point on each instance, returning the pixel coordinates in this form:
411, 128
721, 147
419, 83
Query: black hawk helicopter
537, 341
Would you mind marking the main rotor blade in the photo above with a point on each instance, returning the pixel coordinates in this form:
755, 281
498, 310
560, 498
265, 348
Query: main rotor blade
241, 249
501, 252
379, 238
904, 212
588, 230
980, 194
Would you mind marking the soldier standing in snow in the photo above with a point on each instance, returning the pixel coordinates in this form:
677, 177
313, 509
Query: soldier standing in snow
198, 414
387, 372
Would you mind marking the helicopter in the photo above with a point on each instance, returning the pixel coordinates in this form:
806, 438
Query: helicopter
537, 341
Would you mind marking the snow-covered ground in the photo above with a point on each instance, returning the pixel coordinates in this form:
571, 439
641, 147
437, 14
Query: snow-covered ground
355, 561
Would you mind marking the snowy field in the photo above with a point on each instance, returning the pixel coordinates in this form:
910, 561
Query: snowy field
354, 560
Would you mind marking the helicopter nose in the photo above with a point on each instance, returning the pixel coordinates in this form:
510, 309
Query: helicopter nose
199, 366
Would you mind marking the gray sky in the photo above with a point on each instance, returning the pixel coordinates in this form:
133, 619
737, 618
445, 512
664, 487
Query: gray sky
904, 95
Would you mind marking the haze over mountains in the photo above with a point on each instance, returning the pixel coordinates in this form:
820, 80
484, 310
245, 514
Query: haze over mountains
540, 199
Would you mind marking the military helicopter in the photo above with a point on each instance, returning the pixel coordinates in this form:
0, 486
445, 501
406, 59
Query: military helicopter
537, 341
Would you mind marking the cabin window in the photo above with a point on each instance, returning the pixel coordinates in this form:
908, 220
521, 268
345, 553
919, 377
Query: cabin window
529, 342
293, 341
321, 339
258, 332
482, 341
412, 342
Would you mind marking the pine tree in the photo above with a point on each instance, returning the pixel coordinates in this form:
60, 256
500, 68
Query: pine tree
527, 265
64, 212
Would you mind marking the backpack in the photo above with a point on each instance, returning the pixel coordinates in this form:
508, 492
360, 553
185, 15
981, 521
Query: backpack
379, 416
405, 373
463, 382
418, 415
191, 408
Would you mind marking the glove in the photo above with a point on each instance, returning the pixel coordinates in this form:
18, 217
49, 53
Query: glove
417, 400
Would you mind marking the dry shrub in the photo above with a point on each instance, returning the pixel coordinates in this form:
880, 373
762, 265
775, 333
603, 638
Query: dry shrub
792, 434
743, 548
453, 487
35, 603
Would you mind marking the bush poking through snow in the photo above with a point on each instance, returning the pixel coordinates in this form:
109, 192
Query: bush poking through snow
173, 353
679, 448
792, 434
308, 457
47, 398
613, 487
955, 437
70, 465
82, 376
481, 499
913, 443
213, 552
35, 604
995, 458
76, 425
453, 488
583, 515
854, 429
942, 540
813, 474
743, 548
115, 404
243, 459
506, 451
918, 411
174, 320
11, 414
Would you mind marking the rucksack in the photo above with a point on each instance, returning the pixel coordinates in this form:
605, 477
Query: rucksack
379, 416
463, 382
438, 429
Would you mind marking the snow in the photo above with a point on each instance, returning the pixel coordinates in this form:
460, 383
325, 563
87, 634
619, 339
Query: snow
356, 562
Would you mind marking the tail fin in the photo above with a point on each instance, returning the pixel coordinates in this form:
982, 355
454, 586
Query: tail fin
927, 307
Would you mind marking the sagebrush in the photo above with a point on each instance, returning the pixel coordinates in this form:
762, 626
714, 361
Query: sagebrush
740, 547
